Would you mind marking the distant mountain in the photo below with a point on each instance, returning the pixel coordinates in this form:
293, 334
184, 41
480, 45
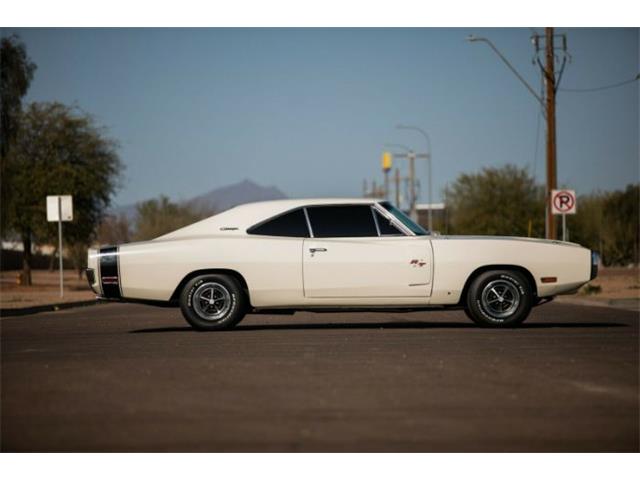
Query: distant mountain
222, 198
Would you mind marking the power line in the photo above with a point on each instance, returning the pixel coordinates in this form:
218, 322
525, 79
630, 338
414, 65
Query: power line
604, 87
535, 153
540, 114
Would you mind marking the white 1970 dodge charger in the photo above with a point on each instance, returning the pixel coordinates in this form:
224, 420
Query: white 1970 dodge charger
330, 254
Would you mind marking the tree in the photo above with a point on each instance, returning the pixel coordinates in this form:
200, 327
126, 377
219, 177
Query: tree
585, 227
16, 73
159, 216
621, 230
114, 230
77, 253
59, 150
496, 201
609, 224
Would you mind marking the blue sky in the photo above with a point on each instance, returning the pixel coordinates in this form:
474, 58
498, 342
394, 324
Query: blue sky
308, 110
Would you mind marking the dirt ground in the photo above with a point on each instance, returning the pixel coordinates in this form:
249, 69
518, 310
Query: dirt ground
44, 291
613, 283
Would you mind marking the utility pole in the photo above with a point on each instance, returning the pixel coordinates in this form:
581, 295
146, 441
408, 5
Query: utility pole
413, 197
427, 156
550, 81
387, 160
548, 104
412, 185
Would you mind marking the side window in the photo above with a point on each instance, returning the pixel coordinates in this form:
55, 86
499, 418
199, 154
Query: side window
291, 224
342, 221
386, 227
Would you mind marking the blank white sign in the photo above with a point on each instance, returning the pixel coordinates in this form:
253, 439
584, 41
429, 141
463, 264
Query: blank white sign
66, 208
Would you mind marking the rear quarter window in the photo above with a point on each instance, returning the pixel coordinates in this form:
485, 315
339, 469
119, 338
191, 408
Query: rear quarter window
290, 224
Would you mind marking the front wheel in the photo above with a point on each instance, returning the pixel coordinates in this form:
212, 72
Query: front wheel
499, 298
213, 302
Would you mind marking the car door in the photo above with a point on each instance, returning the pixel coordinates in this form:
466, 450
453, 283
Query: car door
348, 257
274, 264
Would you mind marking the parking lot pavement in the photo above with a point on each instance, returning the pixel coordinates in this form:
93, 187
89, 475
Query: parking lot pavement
123, 377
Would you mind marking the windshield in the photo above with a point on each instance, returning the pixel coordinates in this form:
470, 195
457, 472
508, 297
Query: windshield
402, 217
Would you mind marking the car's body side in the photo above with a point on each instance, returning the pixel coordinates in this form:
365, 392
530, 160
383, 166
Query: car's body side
563, 266
287, 272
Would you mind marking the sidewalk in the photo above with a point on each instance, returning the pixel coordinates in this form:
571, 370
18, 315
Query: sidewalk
44, 291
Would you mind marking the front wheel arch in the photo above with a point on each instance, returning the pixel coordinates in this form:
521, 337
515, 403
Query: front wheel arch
207, 271
486, 268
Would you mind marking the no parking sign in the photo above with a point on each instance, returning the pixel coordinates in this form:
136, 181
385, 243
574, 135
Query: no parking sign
563, 202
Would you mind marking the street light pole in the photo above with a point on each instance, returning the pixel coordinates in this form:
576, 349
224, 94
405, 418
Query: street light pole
430, 179
549, 109
471, 38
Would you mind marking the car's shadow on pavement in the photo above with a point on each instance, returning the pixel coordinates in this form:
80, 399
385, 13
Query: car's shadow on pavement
385, 326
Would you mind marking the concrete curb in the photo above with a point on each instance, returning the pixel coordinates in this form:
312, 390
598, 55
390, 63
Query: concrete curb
15, 312
630, 304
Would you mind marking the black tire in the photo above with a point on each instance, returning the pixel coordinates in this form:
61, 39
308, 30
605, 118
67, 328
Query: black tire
222, 303
499, 298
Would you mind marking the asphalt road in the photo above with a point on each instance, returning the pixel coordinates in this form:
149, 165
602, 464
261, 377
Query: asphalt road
134, 378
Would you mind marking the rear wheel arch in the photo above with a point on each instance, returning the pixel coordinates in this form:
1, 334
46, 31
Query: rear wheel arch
218, 271
488, 268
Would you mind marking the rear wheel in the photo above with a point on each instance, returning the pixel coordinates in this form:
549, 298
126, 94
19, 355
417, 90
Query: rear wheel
499, 298
213, 302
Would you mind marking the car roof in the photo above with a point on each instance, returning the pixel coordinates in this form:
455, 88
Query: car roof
237, 219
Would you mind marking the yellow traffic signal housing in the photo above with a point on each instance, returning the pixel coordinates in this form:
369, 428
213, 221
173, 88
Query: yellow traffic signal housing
387, 161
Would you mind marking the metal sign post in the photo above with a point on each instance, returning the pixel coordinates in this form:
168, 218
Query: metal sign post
563, 202
60, 209
60, 245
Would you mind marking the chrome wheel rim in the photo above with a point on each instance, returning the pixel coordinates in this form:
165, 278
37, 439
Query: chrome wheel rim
211, 301
500, 298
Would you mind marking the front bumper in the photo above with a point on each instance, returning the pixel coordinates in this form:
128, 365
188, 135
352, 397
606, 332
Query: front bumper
595, 260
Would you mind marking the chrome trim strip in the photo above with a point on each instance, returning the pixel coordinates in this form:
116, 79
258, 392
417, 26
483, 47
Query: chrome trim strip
397, 223
375, 220
306, 215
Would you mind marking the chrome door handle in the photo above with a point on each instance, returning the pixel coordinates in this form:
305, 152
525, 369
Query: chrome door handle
314, 250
